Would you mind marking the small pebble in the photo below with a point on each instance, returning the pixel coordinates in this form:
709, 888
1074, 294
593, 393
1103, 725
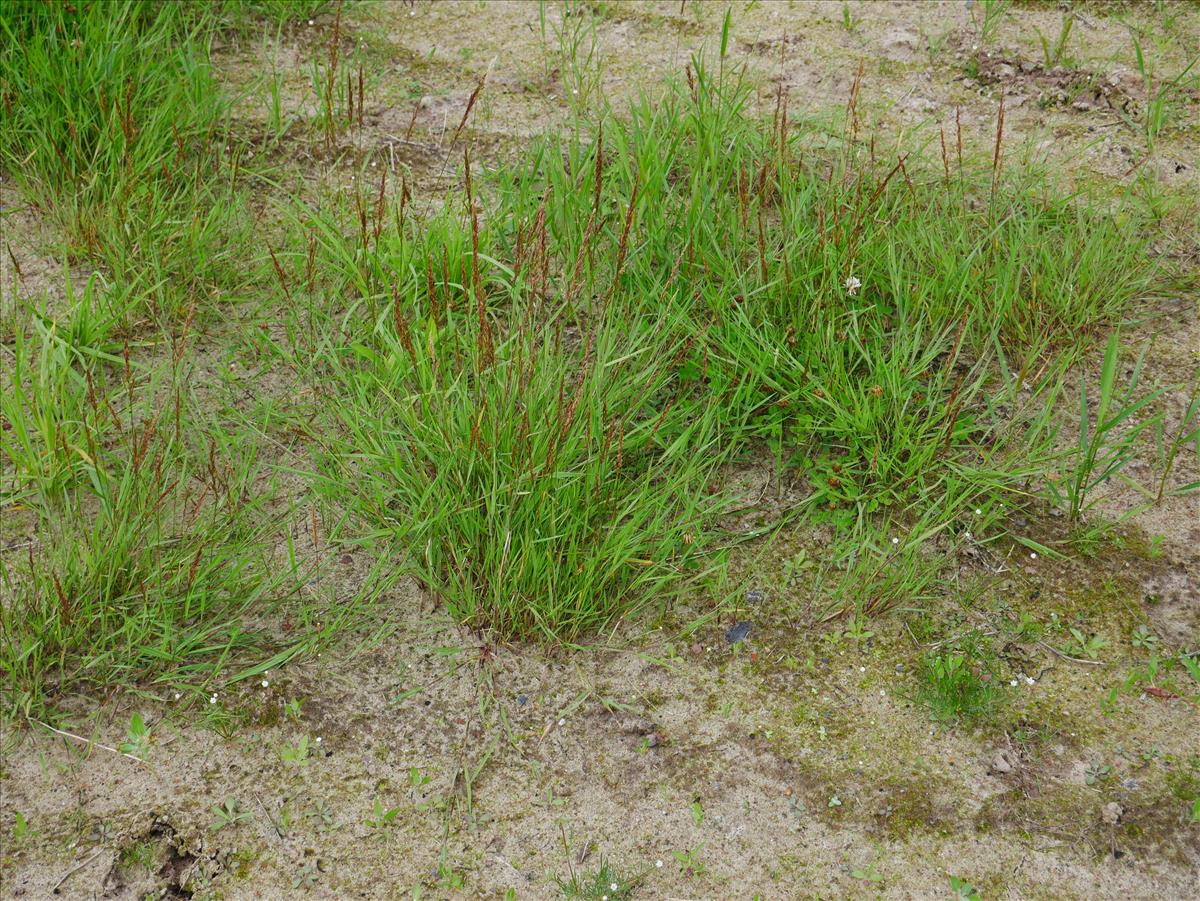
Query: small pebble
737, 633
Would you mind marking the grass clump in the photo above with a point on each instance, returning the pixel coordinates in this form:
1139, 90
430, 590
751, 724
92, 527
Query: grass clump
144, 538
114, 128
545, 482
954, 686
895, 333
605, 884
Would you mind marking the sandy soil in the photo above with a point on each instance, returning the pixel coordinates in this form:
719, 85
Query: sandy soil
792, 765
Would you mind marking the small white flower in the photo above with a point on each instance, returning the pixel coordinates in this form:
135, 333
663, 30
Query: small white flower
895, 541
311, 22
1032, 556
613, 886
862, 669
318, 739
212, 699
852, 285
1029, 680
178, 696
1012, 682
978, 511
968, 534
562, 722
658, 864
604, 898
265, 683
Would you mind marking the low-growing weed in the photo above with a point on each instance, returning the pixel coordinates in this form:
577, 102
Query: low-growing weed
605, 882
955, 688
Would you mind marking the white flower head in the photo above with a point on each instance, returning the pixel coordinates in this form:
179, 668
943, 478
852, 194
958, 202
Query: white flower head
613, 886
852, 285
658, 864
266, 684
1012, 682
1032, 556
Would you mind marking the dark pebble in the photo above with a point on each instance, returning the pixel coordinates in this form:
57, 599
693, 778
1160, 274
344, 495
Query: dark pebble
522, 700
737, 633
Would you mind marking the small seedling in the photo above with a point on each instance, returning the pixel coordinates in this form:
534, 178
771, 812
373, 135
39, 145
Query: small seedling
867, 873
1097, 774
297, 753
1052, 52
848, 21
963, 890
795, 567
857, 630
323, 815
137, 741
381, 818
689, 861
1191, 665
292, 708
697, 813
227, 814
1143, 638
1091, 646
306, 876
20, 827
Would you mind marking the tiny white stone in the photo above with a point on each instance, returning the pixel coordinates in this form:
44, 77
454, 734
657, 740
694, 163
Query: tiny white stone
862, 669
562, 722
311, 22
658, 863
178, 696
